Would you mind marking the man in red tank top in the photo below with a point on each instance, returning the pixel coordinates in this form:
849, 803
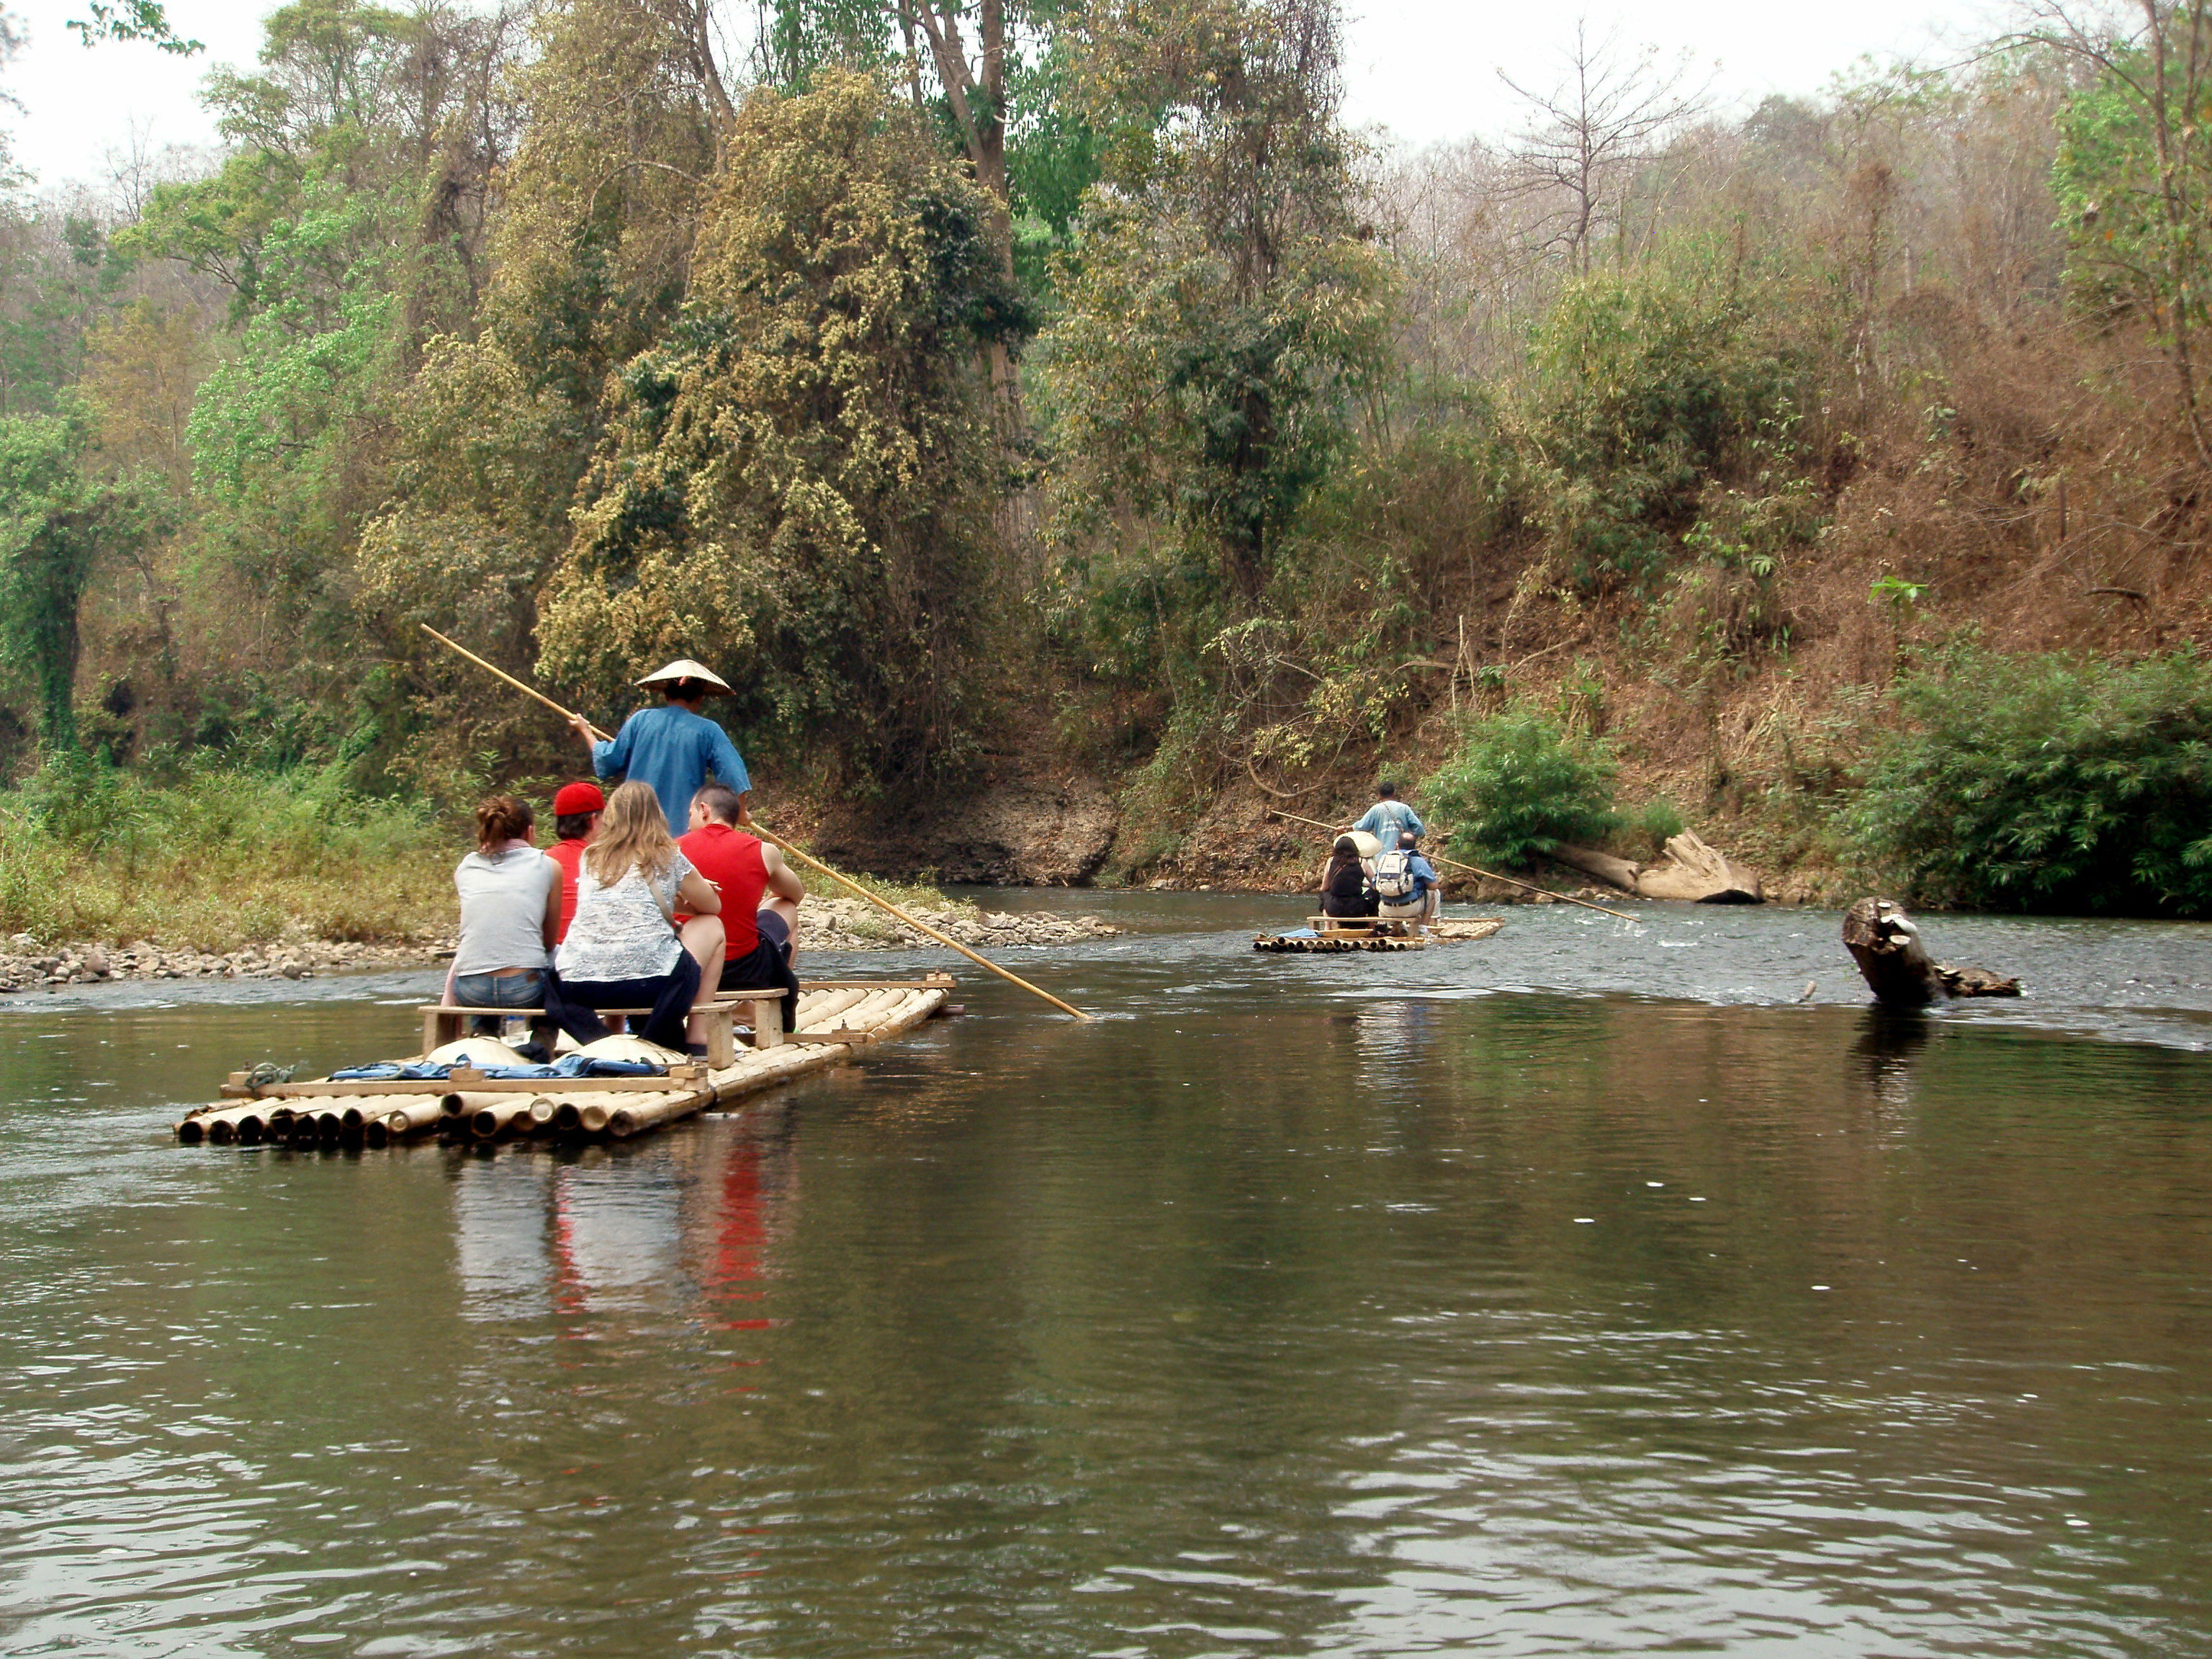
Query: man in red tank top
745, 871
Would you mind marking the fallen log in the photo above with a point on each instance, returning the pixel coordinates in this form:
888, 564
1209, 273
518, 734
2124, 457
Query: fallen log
1695, 871
1692, 872
1896, 966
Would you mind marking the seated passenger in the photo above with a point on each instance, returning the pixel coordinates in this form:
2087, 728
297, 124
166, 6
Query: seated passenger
1405, 883
1346, 883
510, 906
743, 870
576, 809
625, 949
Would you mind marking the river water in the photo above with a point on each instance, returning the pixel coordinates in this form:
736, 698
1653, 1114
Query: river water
1581, 1290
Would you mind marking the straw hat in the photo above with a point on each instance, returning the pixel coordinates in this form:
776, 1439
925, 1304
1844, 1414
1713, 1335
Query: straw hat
685, 668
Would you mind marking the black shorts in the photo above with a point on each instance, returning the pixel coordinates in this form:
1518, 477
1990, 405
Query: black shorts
767, 966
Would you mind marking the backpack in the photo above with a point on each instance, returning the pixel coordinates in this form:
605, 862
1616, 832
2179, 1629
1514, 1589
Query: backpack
1394, 876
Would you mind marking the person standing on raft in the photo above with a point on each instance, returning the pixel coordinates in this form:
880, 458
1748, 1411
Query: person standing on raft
1389, 817
675, 749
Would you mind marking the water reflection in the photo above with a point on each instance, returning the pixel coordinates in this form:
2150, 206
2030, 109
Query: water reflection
1888, 1044
684, 1222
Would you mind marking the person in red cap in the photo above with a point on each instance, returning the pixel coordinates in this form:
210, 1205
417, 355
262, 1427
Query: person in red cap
576, 809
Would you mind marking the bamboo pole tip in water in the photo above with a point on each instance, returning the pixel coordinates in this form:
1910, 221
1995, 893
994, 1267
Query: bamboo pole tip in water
220, 1133
192, 1132
622, 1121
593, 1118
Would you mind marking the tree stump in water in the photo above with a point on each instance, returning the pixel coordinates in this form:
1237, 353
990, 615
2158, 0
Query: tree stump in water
1897, 967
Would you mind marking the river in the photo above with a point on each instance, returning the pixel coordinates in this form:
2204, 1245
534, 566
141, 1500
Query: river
1580, 1291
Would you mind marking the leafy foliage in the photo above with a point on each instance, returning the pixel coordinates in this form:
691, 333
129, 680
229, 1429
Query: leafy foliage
1222, 309
1647, 385
56, 526
1518, 788
2048, 783
798, 478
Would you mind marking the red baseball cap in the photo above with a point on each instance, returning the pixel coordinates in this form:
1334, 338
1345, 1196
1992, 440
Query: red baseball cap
573, 798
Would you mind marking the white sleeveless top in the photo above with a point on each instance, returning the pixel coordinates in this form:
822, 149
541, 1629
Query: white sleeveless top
621, 931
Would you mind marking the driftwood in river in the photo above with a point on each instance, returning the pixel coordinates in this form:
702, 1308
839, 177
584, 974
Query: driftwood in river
1691, 871
1884, 942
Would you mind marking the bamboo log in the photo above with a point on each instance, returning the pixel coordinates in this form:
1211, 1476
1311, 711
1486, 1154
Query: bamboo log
654, 1111
500, 1113
827, 1008
409, 1115
864, 1013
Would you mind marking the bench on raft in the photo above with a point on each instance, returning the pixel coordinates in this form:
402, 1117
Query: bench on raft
1401, 927
443, 1021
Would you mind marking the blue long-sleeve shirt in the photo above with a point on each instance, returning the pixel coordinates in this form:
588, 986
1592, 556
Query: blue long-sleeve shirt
674, 751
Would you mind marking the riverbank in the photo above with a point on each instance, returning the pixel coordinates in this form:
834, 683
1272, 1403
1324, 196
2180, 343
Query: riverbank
824, 924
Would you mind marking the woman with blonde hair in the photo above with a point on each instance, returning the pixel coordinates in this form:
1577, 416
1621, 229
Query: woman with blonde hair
623, 948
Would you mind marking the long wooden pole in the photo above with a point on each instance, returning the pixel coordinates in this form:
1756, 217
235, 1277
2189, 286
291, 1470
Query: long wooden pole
1492, 875
493, 669
919, 927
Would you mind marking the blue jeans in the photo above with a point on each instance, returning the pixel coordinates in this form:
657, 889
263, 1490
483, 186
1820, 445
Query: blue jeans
523, 990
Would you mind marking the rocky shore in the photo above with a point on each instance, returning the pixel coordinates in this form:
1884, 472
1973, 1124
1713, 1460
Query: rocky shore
825, 924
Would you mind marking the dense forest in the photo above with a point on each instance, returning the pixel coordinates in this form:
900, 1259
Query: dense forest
997, 389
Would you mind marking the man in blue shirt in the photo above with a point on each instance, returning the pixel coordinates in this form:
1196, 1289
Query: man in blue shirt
1407, 883
1390, 818
674, 747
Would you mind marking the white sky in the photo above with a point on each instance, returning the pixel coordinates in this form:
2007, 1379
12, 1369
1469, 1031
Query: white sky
1426, 70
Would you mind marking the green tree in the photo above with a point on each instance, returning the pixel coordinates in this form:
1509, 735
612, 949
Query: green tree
799, 479
2049, 783
1224, 307
57, 525
2133, 176
1517, 788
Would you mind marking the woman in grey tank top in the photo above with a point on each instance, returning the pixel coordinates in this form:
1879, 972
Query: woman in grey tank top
510, 913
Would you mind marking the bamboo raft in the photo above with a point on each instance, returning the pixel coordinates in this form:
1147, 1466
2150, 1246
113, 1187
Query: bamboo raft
1328, 935
832, 1020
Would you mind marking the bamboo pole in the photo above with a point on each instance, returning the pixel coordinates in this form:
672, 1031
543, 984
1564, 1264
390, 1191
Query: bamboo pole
806, 859
923, 927
527, 691
1277, 812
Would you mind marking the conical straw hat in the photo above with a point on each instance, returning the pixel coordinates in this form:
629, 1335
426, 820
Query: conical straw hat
685, 668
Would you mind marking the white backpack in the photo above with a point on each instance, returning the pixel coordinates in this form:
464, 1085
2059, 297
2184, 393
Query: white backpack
1394, 876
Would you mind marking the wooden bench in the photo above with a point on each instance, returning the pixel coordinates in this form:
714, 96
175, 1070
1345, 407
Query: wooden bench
1401, 926
763, 1010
